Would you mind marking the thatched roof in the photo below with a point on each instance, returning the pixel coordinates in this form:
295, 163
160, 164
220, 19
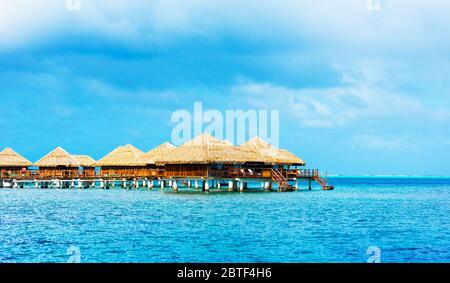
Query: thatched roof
84, 160
58, 157
126, 155
204, 149
162, 148
157, 153
10, 158
261, 151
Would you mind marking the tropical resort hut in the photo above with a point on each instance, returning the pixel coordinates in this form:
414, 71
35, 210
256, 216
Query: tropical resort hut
12, 164
150, 158
124, 161
262, 157
86, 165
202, 157
58, 164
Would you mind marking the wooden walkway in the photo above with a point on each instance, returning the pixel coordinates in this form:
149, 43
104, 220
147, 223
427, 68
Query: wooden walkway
282, 178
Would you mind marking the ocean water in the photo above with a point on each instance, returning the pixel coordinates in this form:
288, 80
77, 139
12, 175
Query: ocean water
408, 219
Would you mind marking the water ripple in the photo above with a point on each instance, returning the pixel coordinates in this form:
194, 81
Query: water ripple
408, 220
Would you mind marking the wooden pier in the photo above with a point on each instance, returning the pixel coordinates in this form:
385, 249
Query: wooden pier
282, 180
204, 162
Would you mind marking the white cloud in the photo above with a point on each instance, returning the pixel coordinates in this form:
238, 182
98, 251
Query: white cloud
401, 23
362, 94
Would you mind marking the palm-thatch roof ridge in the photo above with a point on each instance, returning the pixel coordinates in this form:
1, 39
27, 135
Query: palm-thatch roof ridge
261, 151
58, 157
164, 147
10, 158
126, 155
84, 160
157, 153
204, 149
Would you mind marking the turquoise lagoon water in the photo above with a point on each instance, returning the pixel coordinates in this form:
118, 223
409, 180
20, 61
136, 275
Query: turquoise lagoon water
408, 219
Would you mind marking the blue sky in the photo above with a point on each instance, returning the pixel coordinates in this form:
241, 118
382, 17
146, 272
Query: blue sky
359, 91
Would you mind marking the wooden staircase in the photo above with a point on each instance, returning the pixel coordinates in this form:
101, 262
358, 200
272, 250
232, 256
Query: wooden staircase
282, 182
323, 183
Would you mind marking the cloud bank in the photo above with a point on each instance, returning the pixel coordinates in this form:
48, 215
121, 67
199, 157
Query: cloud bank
146, 24
370, 87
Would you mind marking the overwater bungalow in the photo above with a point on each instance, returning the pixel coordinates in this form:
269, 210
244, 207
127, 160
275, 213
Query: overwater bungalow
155, 169
267, 161
124, 161
202, 157
12, 164
262, 157
206, 157
58, 164
86, 166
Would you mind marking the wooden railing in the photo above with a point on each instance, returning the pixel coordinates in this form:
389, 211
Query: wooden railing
238, 173
15, 175
185, 173
264, 173
129, 173
311, 173
161, 173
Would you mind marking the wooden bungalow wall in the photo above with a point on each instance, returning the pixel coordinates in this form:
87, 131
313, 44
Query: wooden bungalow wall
88, 172
217, 170
12, 172
186, 170
131, 171
64, 172
150, 171
58, 172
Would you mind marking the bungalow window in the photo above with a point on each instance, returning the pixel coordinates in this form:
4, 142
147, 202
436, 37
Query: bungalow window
217, 166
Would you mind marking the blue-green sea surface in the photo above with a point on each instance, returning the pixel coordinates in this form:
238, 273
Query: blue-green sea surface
408, 219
